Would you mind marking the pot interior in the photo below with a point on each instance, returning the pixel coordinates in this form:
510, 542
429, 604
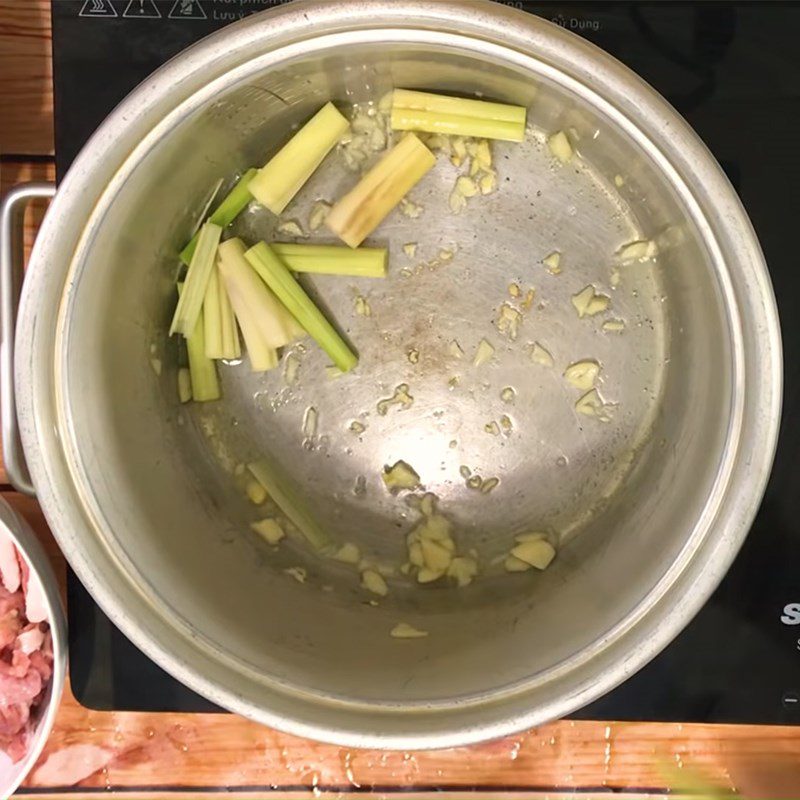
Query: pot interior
622, 498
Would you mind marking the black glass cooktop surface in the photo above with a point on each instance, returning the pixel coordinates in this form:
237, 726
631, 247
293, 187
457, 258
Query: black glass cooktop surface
733, 70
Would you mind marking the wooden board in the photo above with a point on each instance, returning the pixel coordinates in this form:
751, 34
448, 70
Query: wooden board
26, 74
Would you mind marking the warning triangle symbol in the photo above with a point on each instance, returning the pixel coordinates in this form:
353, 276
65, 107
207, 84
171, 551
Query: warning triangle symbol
142, 9
187, 9
97, 8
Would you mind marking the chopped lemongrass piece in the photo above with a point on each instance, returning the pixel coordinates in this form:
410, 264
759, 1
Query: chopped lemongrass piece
459, 151
462, 569
269, 529
364, 207
184, 385
298, 573
405, 631
348, 553
483, 353
539, 355
553, 262
400, 476
487, 182
362, 306
266, 325
319, 211
614, 325
227, 211
466, 187
277, 325
538, 553
639, 250
325, 259
582, 374
410, 209
231, 348
284, 175
203, 372
560, 146
410, 249
289, 501
276, 275
190, 301
291, 227
592, 405
588, 302
433, 113
374, 582
212, 322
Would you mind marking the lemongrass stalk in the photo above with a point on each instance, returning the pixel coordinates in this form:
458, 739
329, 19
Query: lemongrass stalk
433, 113
364, 207
458, 106
407, 119
286, 172
203, 372
325, 259
289, 500
276, 275
222, 338
230, 331
226, 212
212, 320
266, 325
190, 301
212, 196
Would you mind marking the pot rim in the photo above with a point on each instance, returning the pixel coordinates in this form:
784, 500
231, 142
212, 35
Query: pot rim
145, 115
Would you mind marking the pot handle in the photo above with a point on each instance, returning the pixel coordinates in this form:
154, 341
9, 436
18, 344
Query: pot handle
12, 266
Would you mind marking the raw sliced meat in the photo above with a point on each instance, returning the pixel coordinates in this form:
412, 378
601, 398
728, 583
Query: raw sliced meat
9, 566
35, 605
26, 651
31, 639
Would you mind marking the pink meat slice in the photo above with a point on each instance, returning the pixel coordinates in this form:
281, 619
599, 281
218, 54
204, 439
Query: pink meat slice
11, 616
35, 605
9, 566
31, 639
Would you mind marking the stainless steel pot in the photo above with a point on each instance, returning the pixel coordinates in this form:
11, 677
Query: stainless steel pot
650, 507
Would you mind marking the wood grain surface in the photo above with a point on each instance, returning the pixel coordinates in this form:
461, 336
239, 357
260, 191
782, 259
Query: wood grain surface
26, 96
203, 755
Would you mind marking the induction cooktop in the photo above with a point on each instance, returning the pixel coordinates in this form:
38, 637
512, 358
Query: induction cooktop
732, 69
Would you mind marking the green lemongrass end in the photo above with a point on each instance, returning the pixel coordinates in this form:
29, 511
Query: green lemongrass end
190, 301
202, 371
404, 119
277, 276
234, 203
286, 172
289, 501
323, 259
433, 113
212, 320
